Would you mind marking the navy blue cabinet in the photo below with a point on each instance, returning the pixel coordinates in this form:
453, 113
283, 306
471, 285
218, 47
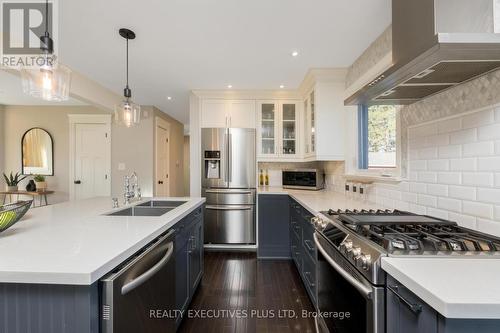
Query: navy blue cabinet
188, 259
302, 246
274, 220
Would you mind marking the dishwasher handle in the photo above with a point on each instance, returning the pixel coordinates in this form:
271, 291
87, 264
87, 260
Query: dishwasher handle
128, 287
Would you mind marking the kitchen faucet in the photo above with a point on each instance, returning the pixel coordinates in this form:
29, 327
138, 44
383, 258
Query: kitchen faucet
132, 189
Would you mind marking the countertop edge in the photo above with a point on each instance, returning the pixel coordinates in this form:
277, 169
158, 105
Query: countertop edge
447, 310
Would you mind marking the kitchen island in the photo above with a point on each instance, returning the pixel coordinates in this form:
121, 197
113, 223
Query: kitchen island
53, 259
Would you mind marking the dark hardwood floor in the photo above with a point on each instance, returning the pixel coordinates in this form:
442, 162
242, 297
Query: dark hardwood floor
238, 281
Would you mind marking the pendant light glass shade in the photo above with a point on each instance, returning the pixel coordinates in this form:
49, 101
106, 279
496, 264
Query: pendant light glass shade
128, 113
48, 83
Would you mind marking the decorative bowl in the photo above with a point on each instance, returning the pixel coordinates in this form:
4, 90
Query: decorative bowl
11, 213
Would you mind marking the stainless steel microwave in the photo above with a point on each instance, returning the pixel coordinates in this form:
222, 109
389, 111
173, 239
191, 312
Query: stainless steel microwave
304, 179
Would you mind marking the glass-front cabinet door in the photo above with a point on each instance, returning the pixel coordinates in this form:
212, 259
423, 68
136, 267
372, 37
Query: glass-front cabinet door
268, 116
289, 129
312, 136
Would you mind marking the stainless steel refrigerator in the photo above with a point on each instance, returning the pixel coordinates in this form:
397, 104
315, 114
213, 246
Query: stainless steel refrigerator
228, 184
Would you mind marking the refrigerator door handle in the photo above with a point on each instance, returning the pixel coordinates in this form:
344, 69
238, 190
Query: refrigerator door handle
229, 156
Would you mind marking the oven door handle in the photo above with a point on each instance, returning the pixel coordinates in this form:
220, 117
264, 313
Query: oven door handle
366, 291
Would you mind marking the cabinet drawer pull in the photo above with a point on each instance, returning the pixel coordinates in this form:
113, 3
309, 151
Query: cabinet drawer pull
307, 275
309, 245
413, 307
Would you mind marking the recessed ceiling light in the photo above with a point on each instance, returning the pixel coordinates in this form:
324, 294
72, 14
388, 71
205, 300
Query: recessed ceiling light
169, 98
229, 86
282, 86
295, 53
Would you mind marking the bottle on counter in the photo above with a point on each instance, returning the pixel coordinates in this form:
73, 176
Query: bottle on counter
266, 178
261, 178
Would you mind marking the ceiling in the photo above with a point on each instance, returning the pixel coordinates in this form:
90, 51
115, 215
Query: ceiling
183, 45
11, 93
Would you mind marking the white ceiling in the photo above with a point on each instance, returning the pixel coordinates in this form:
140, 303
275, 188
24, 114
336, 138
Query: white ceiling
11, 93
207, 44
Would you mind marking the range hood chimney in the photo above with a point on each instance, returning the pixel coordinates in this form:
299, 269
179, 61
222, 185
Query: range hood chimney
437, 44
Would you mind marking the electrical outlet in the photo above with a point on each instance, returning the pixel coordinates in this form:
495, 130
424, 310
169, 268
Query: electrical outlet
121, 166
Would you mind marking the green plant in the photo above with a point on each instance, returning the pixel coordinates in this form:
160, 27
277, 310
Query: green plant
39, 178
13, 180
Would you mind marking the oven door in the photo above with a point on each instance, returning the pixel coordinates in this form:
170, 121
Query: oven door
347, 302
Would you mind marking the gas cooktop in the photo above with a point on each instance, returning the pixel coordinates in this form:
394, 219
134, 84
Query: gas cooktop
400, 232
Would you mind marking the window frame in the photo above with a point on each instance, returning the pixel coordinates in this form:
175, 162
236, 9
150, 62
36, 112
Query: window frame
362, 165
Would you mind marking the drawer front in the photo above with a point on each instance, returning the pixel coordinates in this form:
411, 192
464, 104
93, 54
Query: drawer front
230, 224
308, 243
309, 277
229, 196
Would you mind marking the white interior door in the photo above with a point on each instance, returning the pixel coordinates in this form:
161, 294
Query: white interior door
92, 155
162, 184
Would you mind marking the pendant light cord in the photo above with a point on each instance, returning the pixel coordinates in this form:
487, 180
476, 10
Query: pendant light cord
46, 17
127, 62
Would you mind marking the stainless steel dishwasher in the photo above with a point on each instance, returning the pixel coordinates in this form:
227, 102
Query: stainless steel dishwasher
136, 296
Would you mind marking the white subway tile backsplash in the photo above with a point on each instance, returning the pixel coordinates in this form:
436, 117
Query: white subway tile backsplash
409, 197
437, 189
418, 209
463, 220
463, 164
477, 179
450, 204
464, 136
452, 178
449, 125
438, 140
497, 148
489, 226
439, 213
418, 188
418, 165
438, 165
497, 179
413, 176
413, 154
452, 151
428, 153
401, 205
478, 149
477, 209
462, 192
491, 132
427, 177
497, 114
488, 195
478, 119
427, 200
423, 131
404, 186
488, 164
497, 212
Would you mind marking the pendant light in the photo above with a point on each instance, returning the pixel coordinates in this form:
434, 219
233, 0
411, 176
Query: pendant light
51, 81
127, 112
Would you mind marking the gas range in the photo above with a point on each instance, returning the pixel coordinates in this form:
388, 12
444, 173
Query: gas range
363, 237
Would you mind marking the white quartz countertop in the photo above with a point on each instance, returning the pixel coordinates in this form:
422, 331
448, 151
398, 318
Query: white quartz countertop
456, 288
316, 201
74, 243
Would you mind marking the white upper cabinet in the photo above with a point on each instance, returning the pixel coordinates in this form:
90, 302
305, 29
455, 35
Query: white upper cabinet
213, 113
241, 113
278, 130
309, 126
227, 113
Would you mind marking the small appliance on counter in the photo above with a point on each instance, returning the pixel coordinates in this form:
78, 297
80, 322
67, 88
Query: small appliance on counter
228, 184
304, 179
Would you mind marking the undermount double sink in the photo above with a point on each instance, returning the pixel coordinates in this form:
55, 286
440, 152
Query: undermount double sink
149, 208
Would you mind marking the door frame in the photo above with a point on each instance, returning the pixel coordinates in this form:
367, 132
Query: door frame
160, 122
92, 119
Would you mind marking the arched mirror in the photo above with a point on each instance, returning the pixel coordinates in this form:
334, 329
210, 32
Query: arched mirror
37, 152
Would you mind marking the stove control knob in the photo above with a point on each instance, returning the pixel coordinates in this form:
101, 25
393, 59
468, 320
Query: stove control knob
366, 261
356, 251
314, 220
346, 246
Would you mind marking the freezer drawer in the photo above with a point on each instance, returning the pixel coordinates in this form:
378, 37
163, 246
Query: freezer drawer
220, 197
230, 224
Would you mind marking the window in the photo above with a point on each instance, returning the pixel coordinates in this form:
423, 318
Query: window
377, 137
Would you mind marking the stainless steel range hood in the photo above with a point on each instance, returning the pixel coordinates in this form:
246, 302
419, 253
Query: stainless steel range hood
437, 44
